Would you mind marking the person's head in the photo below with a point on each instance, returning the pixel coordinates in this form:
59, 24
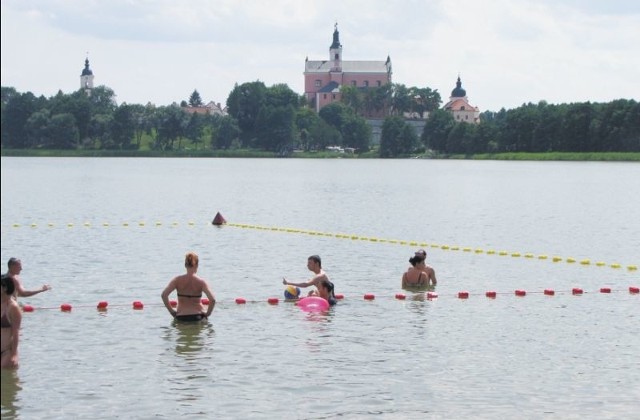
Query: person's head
326, 286
14, 265
191, 260
416, 259
8, 286
421, 253
314, 261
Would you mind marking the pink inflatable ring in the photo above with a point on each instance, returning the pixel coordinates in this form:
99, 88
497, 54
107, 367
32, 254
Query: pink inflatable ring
313, 304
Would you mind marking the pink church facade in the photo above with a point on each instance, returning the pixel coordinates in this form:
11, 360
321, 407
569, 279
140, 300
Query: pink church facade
323, 78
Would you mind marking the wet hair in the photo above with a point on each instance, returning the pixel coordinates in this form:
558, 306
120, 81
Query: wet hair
329, 286
191, 260
8, 284
317, 259
12, 261
416, 259
421, 253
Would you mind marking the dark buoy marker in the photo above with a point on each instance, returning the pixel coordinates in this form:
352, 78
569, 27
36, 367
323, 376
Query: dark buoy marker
218, 220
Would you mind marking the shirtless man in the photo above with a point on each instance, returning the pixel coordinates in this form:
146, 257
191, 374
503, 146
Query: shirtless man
313, 264
427, 269
15, 267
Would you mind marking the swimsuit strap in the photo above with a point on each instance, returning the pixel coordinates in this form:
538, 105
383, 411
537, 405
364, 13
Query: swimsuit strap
190, 296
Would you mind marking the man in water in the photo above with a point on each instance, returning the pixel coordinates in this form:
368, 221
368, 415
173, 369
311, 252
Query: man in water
314, 264
15, 267
428, 270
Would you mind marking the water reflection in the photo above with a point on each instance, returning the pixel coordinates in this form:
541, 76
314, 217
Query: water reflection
9, 395
190, 337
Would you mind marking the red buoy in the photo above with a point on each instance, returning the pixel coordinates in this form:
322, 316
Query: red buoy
576, 291
173, 303
401, 296
240, 301
521, 292
431, 295
491, 294
137, 305
27, 308
463, 295
218, 220
204, 301
634, 289
549, 292
65, 307
273, 300
102, 305
339, 296
369, 296
605, 290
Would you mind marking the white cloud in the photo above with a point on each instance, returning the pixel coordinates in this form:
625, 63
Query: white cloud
507, 52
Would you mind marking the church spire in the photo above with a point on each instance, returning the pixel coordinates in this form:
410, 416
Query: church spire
86, 78
336, 38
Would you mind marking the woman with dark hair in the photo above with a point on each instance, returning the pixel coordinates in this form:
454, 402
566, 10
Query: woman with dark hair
325, 291
10, 319
415, 275
189, 288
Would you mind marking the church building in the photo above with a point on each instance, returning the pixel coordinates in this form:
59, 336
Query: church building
323, 78
460, 107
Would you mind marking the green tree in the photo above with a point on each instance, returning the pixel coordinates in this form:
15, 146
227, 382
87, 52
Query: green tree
195, 99
63, 132
16, 113
226, 132
244, 104
436, 130
123, 127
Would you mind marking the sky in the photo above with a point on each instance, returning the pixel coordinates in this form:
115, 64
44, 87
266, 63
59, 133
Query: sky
507, 52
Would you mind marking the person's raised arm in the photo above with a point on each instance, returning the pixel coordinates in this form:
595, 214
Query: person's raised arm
304, 284
22, 292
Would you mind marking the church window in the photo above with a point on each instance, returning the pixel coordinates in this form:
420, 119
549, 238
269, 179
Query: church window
336, 57
318, 83
324, 96
379, 83
333, 96
353, 83
366, 83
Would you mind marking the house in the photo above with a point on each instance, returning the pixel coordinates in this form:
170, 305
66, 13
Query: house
211, 108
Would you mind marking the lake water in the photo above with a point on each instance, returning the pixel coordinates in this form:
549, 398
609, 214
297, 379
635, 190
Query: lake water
117, 230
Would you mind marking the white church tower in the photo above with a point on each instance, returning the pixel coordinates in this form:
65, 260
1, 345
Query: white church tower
86, 78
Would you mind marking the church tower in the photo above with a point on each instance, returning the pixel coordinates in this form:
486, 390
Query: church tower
86, 78
335, 51
460, 107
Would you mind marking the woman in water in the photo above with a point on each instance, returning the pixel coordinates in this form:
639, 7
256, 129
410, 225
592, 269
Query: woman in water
10, 319
325, 291
415, 276
190, 288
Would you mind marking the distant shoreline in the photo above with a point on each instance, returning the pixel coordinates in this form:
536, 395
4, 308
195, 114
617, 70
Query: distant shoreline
549, 156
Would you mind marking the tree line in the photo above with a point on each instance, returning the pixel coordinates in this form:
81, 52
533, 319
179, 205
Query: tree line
276, 119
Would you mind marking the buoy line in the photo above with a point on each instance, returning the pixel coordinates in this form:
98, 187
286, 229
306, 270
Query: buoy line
103, 305
219, 221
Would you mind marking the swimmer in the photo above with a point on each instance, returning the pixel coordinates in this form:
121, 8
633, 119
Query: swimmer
10, 320
314, 264
189, 288
325, 291
427, 269
15, 268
